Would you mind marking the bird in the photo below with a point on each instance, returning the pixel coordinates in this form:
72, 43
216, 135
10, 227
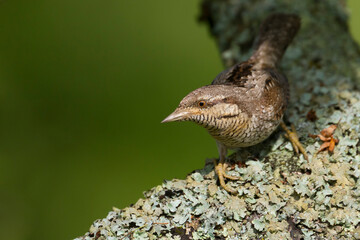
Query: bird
245, 104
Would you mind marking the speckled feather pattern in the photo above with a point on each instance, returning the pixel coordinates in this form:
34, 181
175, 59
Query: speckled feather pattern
255, 92
280, 196
276, 32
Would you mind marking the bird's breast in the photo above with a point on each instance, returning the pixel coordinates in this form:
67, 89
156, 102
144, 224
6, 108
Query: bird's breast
238, 132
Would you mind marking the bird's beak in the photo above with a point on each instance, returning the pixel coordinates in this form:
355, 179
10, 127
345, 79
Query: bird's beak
177, 115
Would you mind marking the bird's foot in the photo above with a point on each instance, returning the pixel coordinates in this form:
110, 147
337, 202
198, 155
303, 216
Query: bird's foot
294, 139
220, 171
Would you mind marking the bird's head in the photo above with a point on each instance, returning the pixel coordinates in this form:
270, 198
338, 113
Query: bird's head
206, 106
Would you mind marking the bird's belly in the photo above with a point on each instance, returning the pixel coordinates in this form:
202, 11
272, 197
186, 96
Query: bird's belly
245, 137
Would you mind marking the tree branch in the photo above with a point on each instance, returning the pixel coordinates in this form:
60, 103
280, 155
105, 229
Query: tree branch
280, 196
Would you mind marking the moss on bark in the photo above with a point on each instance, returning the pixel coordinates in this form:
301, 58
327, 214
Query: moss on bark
280, 196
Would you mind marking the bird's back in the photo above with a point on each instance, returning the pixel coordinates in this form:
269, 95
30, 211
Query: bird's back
265, 91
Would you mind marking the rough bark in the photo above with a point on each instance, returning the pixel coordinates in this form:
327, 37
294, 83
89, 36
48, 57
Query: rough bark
280, 196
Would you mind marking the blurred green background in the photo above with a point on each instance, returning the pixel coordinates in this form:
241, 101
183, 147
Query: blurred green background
84, 86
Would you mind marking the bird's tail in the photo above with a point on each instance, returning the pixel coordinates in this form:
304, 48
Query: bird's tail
276, 33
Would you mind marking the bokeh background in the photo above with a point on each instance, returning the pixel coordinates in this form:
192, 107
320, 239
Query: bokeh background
84, 86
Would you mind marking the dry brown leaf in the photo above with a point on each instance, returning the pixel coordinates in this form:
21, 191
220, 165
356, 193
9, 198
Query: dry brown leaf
311, 115
332, 145
324, 146
329, 131
326, 135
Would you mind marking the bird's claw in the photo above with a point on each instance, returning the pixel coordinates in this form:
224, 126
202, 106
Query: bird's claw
220, 171
294, 139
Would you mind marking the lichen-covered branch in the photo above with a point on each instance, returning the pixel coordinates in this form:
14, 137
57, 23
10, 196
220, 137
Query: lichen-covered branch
280, 196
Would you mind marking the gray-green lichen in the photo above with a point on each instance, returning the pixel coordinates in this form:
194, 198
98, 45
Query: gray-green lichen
280, 195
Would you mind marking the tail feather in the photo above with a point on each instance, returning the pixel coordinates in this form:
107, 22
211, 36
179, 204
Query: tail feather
276, 33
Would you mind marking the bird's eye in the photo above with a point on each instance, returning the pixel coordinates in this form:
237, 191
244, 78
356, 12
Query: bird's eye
202, 104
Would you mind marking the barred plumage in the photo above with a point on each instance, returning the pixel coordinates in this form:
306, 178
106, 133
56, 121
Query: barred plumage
244, 104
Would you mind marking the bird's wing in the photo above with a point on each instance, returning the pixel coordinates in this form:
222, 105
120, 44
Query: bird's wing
237, 75
274, 92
